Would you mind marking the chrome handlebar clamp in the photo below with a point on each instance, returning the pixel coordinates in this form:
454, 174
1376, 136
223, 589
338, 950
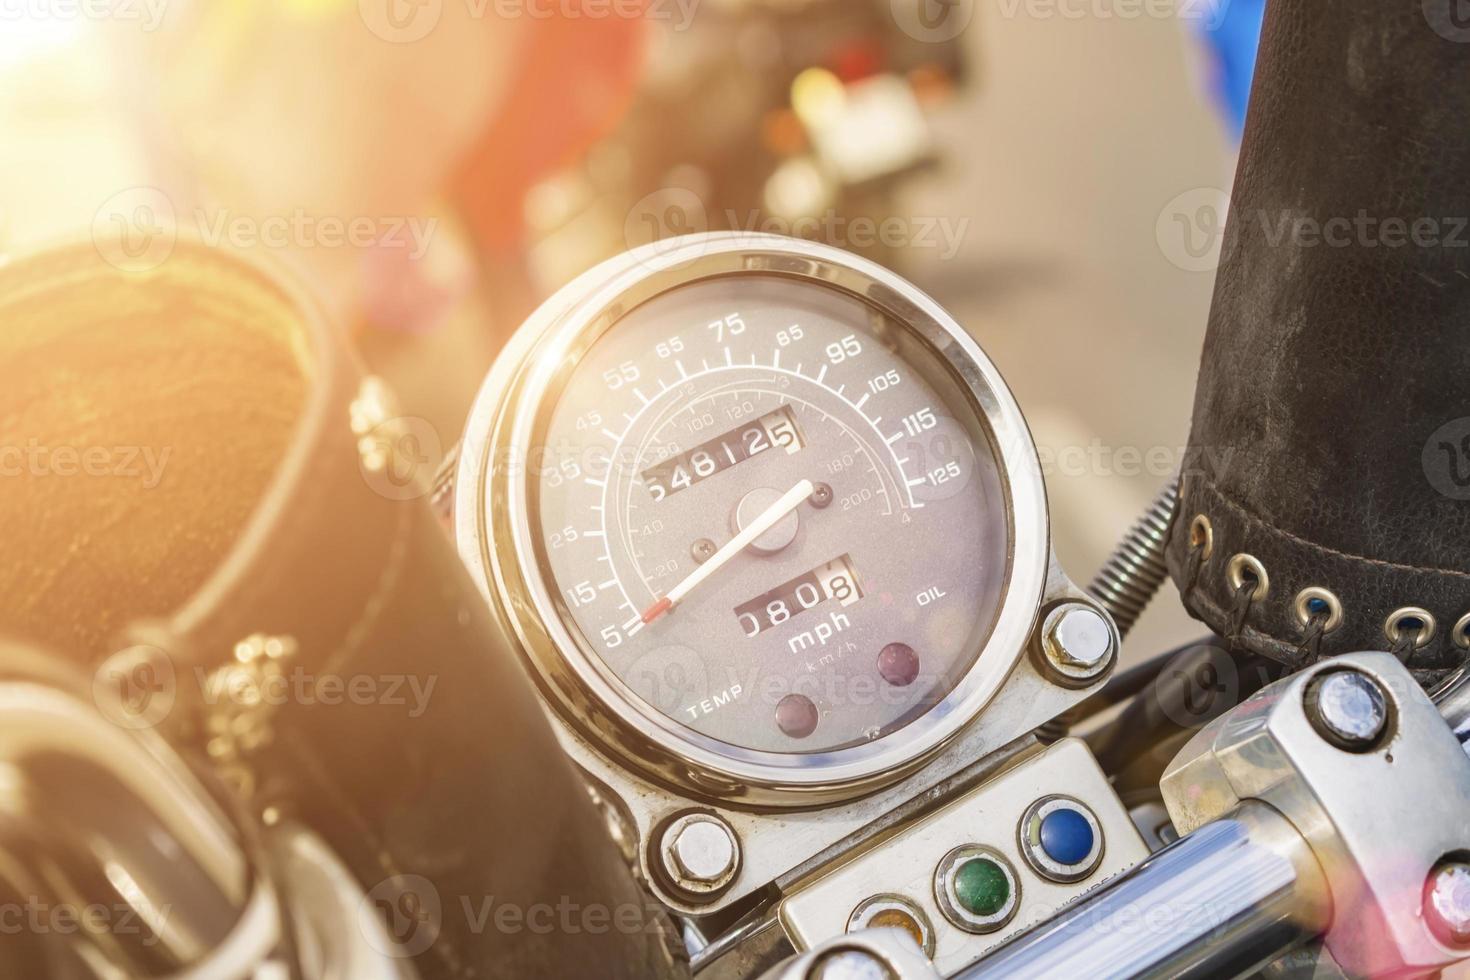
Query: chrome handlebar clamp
1360, 761
1330, 805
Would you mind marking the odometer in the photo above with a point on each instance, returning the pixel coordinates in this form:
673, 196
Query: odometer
775, 430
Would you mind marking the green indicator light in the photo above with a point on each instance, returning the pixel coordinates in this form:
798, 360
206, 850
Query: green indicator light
981, 887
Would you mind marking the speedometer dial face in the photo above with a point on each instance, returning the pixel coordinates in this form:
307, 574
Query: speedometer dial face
771, 515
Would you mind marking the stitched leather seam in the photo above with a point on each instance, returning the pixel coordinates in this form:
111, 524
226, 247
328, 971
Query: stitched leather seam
1271, 529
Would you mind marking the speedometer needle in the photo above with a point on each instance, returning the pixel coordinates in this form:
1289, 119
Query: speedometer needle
763, 522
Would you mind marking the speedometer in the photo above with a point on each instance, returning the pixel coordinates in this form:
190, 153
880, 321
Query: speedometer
764, 517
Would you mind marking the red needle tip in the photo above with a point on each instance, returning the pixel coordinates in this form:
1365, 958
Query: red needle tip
657, 609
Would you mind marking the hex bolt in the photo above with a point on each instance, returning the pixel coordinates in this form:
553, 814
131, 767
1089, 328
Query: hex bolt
1078, 641
1447, 902
700, 853
850, 964
1348, 709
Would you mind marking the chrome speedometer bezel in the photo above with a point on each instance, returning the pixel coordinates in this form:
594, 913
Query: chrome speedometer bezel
499, 542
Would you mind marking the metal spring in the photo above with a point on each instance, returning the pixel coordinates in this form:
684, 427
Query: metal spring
1135, 569
1128, 580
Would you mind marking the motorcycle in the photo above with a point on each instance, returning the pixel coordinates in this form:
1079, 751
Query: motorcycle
747, 654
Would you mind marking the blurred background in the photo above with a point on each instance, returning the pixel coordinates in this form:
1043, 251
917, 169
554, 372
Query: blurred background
1053, 171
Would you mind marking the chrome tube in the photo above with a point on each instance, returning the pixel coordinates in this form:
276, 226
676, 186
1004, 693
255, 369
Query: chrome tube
1232, 896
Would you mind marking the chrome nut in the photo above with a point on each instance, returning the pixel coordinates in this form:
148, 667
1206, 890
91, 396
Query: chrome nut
700, 853
1078, 641
1348, 708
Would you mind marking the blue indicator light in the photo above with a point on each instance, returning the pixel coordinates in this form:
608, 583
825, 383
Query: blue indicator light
1066, 836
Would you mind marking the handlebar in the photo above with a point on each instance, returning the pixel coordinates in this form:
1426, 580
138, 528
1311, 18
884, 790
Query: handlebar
1224, 900
1227, 899
1279, 850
